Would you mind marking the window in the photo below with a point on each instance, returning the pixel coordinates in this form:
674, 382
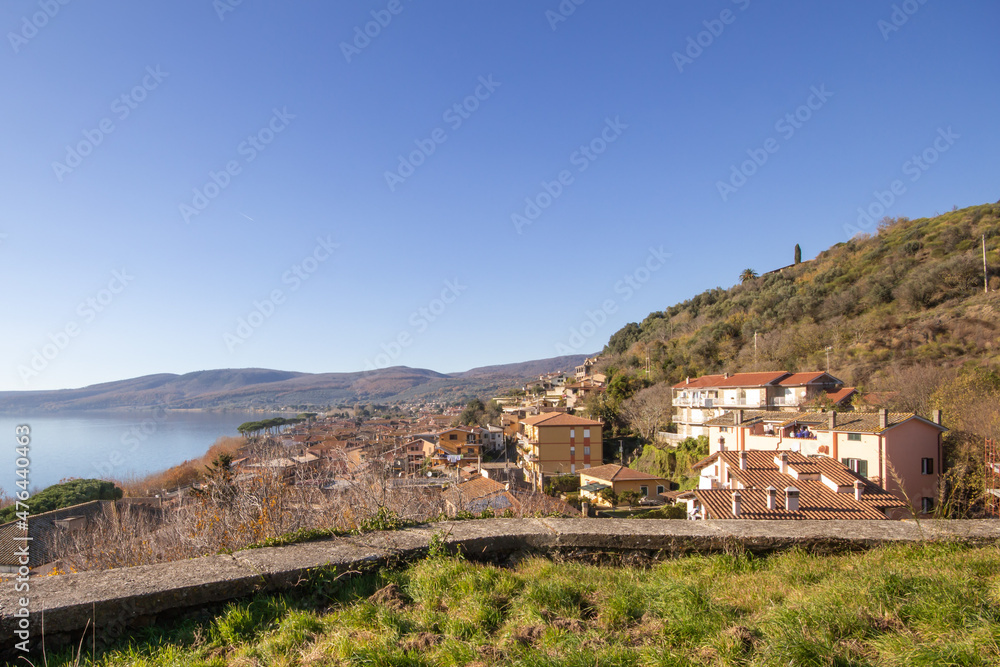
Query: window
926, 505
572, 449
855, 437
453, 437
586, 450
659, 489
644, 491
926, 466
860, 466
572, 467
572, 433
586, 432
723, 429
586, 465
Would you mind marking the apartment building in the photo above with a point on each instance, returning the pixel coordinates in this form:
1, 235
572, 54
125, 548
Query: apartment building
555, 443
900, 452
698, 400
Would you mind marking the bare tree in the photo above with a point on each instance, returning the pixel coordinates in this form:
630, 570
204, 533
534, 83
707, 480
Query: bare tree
648, 410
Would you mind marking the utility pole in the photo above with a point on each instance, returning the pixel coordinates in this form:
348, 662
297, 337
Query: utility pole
755, 350
828, 348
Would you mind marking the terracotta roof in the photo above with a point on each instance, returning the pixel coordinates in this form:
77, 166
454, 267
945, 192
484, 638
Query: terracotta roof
799, 379
479, 487
558, 419
762, 471
868, 422
752, 379
841, 395
816, 501
613, 472
480, 493
703, 381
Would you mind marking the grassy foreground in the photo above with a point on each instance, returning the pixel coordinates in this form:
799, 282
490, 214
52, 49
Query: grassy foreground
933, 604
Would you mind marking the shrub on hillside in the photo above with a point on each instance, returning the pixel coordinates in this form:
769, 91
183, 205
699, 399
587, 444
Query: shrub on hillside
67, 494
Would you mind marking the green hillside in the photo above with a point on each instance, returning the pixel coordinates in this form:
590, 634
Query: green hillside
911, 294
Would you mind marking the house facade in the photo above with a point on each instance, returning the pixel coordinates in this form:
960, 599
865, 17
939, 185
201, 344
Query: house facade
900, 452
555, 443
619, 479
697, 401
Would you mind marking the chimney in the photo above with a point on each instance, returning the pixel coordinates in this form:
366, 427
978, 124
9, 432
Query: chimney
743, 460
725, 376
859, 489
738, 417
883, 418
936, 417
772, 498
832, 419
783, 457
688, 380
791, 499
736, 503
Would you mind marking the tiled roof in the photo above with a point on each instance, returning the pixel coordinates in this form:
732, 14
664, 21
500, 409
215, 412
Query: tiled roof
868, 422
800, 379
705, 461
841, 394
816, 501
480, 493
734, 380
703, 381
558, 419
616, 473
480, 487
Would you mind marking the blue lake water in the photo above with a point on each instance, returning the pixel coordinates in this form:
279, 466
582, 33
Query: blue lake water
115, 444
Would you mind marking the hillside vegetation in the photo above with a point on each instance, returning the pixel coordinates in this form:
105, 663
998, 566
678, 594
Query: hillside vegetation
911, 294
65, 494
932, 604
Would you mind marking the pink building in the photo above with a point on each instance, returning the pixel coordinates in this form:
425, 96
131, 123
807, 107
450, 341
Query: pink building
900, 452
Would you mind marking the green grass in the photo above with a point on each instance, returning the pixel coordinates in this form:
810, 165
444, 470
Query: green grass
933, 604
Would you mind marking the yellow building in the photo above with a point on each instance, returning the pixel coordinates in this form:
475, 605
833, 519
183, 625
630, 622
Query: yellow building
555, 443
620, 479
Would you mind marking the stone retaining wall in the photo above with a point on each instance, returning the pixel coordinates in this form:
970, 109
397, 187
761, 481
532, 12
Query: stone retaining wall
117, 601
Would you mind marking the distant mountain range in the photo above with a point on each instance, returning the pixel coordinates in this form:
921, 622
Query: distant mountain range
260, 388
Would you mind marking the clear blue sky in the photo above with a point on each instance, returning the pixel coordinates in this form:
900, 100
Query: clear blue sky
330, 121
